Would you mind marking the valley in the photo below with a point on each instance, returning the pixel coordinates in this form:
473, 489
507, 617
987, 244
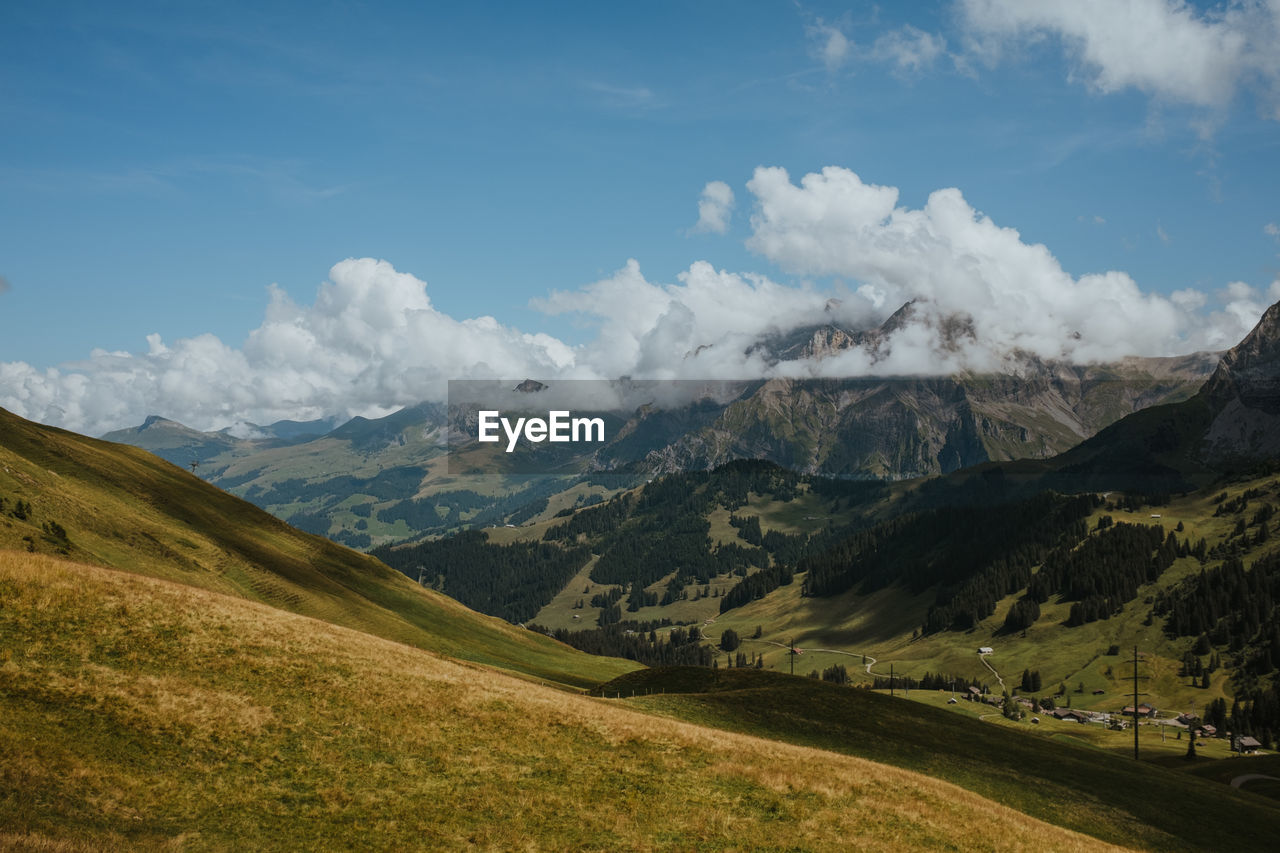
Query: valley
285, 687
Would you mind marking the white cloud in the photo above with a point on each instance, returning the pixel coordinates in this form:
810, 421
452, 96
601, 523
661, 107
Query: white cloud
830, 44
1162, 234
371, 341
910, 50
1271, 230
701, 327
1017, 295
1165, 48
715, 206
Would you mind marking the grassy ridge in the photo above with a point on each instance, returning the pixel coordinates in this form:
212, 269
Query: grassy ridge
124, 508
143, 714
1057, 780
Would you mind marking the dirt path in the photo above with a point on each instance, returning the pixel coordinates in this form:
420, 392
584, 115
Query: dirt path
993, 670
1239, 781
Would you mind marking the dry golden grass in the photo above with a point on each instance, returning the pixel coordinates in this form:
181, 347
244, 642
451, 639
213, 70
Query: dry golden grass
126, 509
141, 713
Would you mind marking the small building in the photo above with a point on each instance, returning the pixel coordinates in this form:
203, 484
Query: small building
1144, 710
1207, 731
1070, 715
1247, 745
973, 693
1188, 719
985, 650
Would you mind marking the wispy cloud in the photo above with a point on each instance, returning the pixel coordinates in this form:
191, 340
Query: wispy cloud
5, 287
282, 181
829, 44
715, 207
910, 51
624, 97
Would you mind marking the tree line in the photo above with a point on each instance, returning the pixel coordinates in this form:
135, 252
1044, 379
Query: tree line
509, 581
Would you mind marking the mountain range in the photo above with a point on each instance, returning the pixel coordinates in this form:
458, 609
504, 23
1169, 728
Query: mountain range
371, 481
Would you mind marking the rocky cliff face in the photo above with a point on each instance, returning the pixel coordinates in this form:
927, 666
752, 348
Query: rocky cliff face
1244, 395
909, 427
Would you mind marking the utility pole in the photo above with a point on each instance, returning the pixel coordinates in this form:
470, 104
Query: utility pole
1136, 660
890, 679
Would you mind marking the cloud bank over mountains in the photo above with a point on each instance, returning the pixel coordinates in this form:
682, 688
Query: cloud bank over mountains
372, 341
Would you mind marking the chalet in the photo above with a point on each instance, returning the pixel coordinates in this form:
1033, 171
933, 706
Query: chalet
974, 693
1144, 710
985, 650
1207, 731
1246, 744
1069, 715
1187, 719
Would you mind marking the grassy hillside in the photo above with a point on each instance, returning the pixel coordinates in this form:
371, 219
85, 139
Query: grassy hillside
1043, 774
138, 713
122, 507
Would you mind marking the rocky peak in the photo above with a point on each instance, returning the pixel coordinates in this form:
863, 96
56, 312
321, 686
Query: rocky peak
1250, 371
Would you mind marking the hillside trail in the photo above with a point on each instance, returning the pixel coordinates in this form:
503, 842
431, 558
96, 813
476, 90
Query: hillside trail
1250, 777
993, 670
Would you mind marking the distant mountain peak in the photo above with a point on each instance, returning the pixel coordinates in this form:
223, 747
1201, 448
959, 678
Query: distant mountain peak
156, 420
530, 386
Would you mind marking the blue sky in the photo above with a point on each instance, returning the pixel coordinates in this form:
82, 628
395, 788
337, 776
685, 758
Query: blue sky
161, 165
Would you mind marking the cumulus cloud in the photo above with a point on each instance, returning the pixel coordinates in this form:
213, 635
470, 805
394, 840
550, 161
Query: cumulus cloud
703, 326
829, 44
1013, 296
715, 206
1165, 48
371, 341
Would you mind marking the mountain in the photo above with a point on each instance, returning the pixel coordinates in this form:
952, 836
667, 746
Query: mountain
373, 481
117, 506
1244, 397
1231, 424
910, 427
182, 445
